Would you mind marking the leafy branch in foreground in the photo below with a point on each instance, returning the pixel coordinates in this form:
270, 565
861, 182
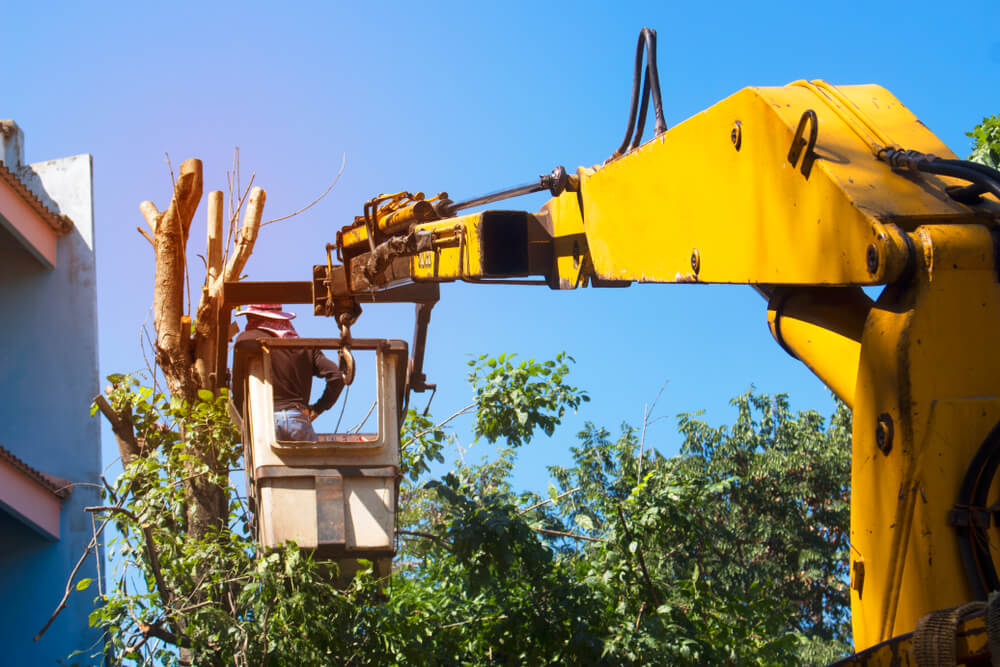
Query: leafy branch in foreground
986, 142
193, 596
731, 552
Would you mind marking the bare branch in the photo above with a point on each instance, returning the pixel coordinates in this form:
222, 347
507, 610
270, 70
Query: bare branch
214, 242
149, 212
559, 533
146, 235
111, 491
461, 412
113, 509
650, 589
72, 576
343, 161
122, 427
427, 536
156, 630
151, 552
247, 235
547, 501
234, 214
499, 617
647, 411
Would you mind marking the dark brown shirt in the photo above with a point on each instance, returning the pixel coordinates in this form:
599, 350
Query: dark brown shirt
292, 372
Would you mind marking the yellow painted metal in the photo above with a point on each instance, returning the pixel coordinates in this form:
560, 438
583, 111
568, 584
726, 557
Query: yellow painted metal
457, 253
716, 200
970, 645
751, 216
822, 327
929, 366
562, 218
391, 214
350, 237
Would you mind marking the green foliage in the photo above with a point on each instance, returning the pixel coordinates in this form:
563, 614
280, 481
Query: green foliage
422, 442
732, 552
785, 507
514, 399
986, 142
745, 532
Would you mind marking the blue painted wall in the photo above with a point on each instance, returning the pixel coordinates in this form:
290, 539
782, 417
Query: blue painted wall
48, 369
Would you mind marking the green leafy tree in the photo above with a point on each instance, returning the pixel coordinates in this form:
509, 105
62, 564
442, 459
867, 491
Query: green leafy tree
182, 596
986, 142
745, 532
632, 558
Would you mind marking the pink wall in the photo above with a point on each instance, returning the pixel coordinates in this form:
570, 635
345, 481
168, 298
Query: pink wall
24, 223
29, 500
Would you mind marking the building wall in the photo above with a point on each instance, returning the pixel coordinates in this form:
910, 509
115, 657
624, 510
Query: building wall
49, 373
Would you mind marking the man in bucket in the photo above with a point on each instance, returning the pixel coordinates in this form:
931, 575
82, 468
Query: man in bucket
292, 372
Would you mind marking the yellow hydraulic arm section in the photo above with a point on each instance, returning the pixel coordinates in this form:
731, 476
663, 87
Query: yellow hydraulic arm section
807, 192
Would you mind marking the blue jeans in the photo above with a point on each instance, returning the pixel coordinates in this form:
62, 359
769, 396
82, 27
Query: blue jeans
293, 425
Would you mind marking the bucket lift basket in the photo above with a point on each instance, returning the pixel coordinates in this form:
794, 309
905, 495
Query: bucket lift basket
337, 496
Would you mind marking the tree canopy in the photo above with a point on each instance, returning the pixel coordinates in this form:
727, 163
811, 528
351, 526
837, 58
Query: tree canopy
734, 551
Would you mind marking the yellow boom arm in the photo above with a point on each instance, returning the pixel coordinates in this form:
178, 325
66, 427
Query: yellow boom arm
804, 192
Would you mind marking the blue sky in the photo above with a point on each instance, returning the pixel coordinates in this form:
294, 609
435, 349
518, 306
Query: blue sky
467, 98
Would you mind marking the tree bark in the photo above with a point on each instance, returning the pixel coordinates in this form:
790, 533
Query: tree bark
170, 232
187, 358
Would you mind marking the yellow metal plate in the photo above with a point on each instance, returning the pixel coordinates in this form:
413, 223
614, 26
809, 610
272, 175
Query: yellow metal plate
750, 215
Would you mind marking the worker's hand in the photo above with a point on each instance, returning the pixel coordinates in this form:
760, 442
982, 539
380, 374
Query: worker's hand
311, 414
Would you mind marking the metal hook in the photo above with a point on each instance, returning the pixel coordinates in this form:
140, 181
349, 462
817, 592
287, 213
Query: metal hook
798, 143
347, 364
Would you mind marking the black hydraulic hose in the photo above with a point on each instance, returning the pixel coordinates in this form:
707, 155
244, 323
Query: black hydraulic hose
947, 168
970, 193
979, 541
976, 566
981, 168
653, 75
643, 108
981, 494
650, 85
983, 178
634, 106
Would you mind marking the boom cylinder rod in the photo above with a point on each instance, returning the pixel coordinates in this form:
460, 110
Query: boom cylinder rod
500, 195
555, 183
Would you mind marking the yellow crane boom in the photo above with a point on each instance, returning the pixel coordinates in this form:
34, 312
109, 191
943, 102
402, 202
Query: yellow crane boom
724, 198
807, 192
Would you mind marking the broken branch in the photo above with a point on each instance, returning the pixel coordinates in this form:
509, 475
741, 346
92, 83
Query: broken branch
247, 235
128, 446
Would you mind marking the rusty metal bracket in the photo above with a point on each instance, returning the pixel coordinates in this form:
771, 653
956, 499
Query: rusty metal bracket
966, 517
415, 378
799, 142
330, 528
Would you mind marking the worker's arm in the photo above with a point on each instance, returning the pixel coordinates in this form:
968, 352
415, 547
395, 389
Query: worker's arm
328, 370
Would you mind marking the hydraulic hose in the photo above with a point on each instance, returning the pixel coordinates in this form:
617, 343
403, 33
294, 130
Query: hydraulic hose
984, 179
943, 168
972, 495
649, 85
